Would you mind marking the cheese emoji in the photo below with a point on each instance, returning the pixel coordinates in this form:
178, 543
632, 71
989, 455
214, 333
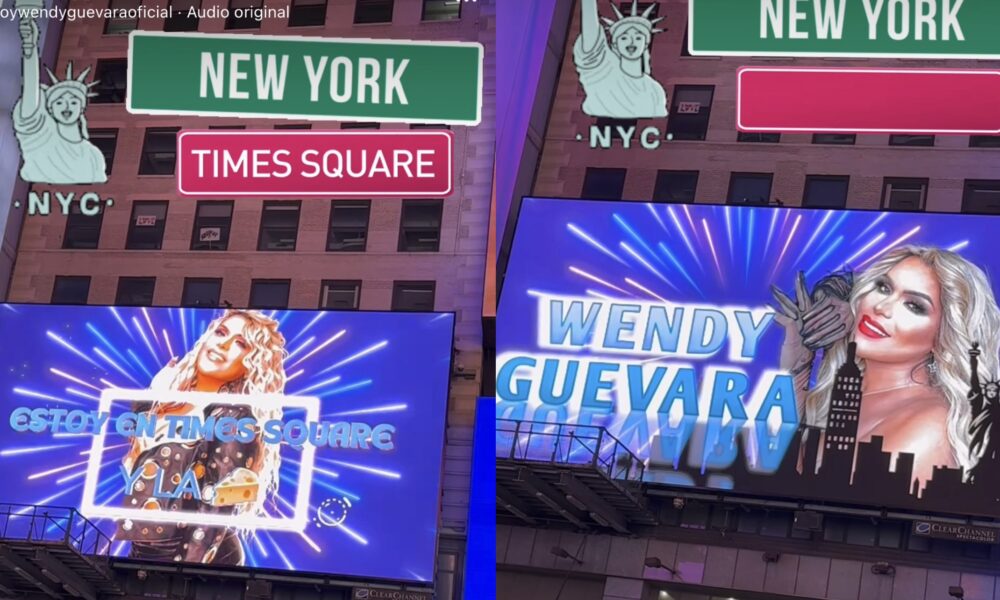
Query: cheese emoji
239, 487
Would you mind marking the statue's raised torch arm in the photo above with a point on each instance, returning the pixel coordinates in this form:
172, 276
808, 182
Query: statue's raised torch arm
31, 90
590, 26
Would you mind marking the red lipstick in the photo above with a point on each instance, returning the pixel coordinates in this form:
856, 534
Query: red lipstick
870, 328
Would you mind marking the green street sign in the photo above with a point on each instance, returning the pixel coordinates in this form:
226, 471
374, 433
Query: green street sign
936, 29
291, 77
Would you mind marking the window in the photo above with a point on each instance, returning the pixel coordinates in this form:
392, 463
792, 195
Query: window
279, 226
981, 196
135, 291
212, 222
861, 532
429, 126
980, 551
675, 186
373, 11
201, 292
181, 21
800, 534
159, 152
904, 194
626, 7
241, 14
670, 516
112, 80
145, 229
348, 226
984, 141
890, 535
365, 125
269, 293
690, 112
750, 521
749, 188
911, 140
294, 126
685, 51
447, 580
106, 141
441, 10
341, 295
721, 518
603, 184
826, 191
420, 226
83, 232
122, 25
834, 529
69, 289
758, 138
307, 12
843, 139
694, 515
776, 524
413, 295
918, 543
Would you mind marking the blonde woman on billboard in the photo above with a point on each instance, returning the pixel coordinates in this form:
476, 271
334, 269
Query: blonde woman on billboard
241, 352
913, 314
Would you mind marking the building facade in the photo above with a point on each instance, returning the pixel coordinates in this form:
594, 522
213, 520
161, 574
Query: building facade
709, 161
155, 247
704, 545
12, 188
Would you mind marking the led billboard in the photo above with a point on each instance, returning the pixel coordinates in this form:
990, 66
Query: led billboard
845, 356
270, 439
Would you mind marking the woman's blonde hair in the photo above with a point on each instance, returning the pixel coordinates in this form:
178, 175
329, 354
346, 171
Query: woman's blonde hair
969, 314
265, 374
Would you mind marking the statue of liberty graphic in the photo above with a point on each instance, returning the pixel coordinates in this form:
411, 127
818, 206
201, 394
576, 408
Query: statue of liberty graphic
49, 122
616, 77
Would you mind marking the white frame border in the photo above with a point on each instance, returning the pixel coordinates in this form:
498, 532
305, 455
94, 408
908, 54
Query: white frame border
781, 54
957, 72
300, 38
297, 523
325, 194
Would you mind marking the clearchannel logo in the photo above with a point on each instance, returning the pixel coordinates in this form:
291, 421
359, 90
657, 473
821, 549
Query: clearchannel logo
385, 594
957, 531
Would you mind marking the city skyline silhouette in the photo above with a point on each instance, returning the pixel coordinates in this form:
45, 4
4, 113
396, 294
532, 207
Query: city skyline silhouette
852, 471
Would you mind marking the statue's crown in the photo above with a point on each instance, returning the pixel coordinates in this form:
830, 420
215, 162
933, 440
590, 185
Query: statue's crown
75, 85
635, 19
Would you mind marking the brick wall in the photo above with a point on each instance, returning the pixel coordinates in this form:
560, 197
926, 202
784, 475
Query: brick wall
564, 159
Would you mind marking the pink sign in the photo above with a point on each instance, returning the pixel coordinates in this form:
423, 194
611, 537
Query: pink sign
850, 100
315, 163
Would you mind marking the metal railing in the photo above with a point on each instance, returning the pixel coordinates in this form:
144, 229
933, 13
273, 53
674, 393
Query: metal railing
568, 444
52, 525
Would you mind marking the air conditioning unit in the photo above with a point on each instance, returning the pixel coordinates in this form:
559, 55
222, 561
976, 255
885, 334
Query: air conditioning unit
258, 589
808, 520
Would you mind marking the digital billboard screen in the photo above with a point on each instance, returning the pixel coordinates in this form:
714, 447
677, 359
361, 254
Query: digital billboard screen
271, 439
848, 356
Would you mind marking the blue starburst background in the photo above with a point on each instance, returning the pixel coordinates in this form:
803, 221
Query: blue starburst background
364, 367
705, 254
